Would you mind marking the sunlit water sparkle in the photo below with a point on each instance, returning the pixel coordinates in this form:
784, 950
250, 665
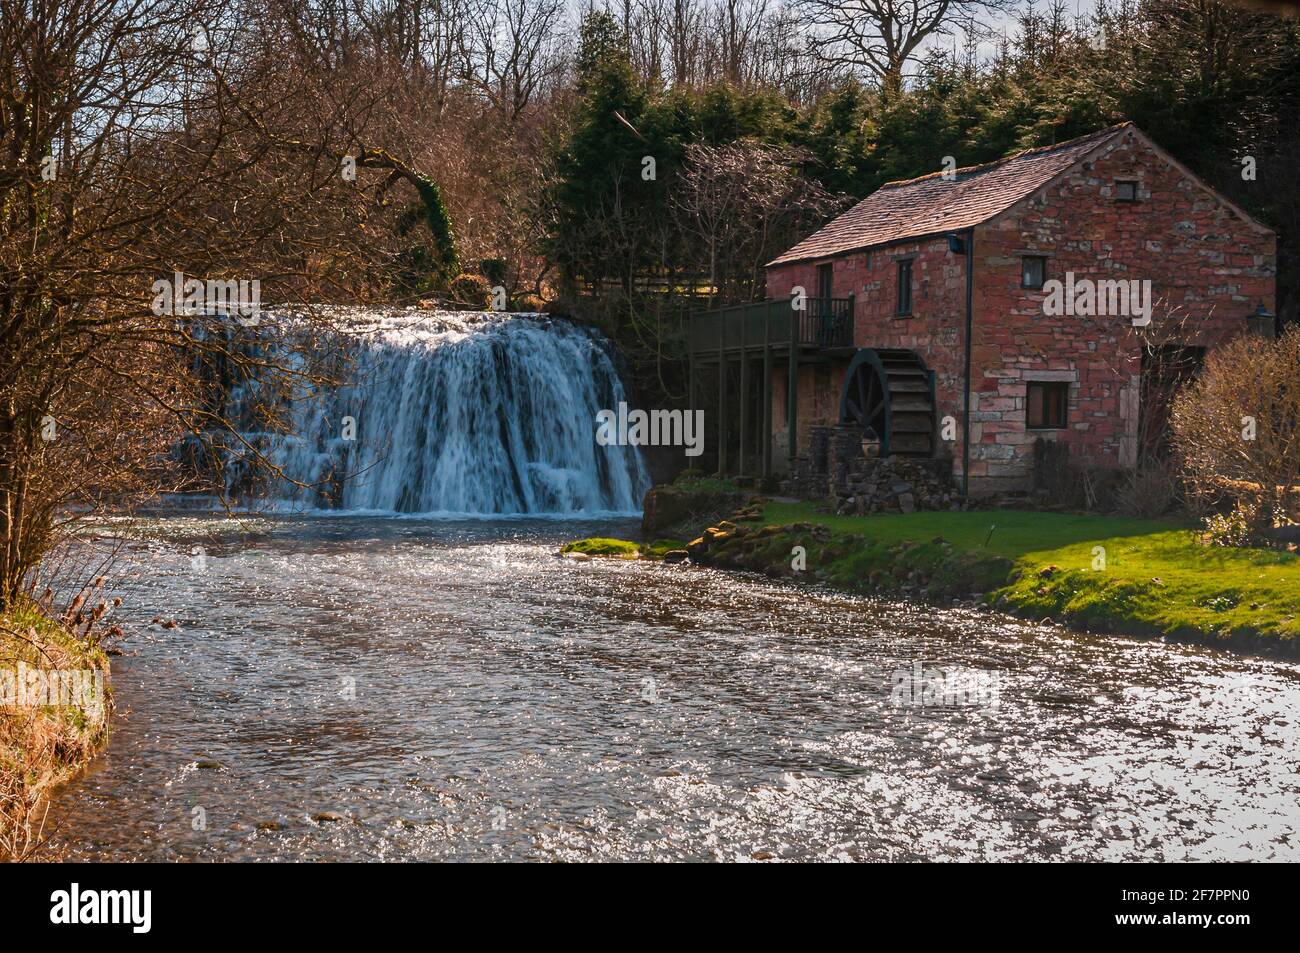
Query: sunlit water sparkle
513, 705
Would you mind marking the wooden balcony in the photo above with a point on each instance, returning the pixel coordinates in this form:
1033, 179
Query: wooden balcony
824, 324
746, 343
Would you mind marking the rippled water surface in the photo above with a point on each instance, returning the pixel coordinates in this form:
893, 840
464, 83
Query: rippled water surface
409, 690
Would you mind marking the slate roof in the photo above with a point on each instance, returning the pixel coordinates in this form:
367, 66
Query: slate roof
930, 205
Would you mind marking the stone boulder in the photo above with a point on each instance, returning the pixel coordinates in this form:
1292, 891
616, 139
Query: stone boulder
672, 505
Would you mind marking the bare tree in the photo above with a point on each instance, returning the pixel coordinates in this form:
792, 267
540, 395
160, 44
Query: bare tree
745, 201
147, 141
881, 36
685, 35
512, 51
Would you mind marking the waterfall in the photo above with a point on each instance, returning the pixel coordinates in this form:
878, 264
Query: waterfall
446, 413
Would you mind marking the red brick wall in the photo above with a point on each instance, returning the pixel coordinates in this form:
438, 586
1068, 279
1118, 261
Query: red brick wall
1208, 267
818, 392
933, 330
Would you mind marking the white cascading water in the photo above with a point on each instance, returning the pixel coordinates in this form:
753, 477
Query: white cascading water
456, 414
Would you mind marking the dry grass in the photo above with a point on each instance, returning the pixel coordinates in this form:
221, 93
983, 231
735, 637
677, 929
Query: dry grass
42, 746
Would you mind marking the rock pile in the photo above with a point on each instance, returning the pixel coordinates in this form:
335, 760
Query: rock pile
895, 485
852, 479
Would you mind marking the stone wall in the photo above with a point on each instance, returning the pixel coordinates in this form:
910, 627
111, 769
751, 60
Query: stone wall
851, 478
818, 391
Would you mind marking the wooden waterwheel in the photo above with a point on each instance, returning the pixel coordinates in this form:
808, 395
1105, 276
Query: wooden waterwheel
889, 394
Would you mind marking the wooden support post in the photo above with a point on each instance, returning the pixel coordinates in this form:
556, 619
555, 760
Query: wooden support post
744, 388
792, 391
765, 438
722, 394
692, 370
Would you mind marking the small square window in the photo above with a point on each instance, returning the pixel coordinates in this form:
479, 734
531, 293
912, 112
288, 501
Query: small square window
905, 287
1126, 191
1047, 405
1033, 270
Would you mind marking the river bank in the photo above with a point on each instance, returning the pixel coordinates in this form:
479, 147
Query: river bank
54, 718
1100, 574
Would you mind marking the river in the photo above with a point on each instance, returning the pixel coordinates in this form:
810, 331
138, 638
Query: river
404, 689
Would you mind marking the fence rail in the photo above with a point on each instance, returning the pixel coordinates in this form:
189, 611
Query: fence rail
821, 323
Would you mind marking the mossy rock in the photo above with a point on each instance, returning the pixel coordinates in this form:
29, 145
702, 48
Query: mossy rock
661, 548
603, 546
688, 505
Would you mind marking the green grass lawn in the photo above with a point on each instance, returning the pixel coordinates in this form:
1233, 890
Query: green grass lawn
1011, 533
1104, 573
1146, 576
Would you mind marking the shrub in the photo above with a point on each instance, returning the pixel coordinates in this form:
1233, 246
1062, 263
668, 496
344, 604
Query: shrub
1077, 484
1089, 487
1236, 430
1052, 470
529, 302
1238, 527
471, 290
494, 270
1148, 492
